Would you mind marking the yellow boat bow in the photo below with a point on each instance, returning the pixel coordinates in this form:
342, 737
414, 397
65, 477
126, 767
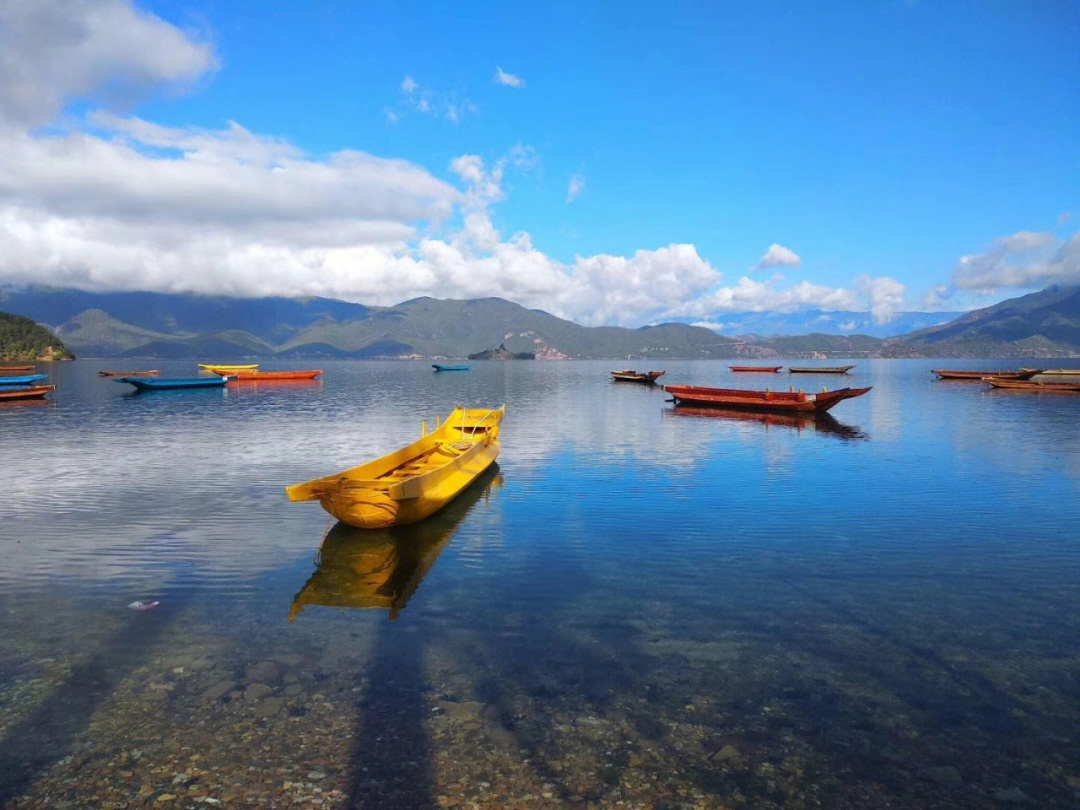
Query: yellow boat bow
411, 483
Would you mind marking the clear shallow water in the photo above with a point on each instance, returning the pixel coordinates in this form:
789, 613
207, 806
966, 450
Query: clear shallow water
637, 607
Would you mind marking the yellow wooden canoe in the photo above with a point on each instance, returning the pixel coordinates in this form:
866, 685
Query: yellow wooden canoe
216, 367
411, 483
364, 569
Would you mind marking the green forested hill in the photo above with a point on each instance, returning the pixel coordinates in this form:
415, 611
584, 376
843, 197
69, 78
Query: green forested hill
22, 339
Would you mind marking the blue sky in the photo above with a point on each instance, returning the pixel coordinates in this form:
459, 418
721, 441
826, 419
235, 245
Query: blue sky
875, 144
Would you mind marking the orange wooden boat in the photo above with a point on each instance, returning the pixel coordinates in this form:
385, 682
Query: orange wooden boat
750, 400
1031, 385
149, 373
271, 376
25, 392
15, 369
763, 369
976, 376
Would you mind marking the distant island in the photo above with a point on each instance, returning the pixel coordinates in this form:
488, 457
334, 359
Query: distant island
502, 353
160, 325
21, 339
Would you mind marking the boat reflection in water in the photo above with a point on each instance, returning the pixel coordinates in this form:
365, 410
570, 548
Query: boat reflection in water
819, 423
382, 568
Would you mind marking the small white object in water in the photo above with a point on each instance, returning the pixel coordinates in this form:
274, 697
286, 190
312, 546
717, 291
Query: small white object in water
137, 605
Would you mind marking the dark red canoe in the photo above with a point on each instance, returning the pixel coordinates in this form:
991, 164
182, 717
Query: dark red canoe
764, 369
975, 376
15, 369
776, 401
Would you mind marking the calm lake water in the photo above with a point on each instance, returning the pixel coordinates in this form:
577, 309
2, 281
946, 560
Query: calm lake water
637, 609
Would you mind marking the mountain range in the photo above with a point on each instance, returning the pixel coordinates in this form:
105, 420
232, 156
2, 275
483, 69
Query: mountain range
128, 324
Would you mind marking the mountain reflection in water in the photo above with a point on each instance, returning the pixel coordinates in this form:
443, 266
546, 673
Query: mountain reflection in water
819, 423
381, 569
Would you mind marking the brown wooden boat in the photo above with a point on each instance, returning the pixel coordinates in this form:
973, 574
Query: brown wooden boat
630, 375
271, 376
149, 373
751, 369
1049, 372
15, 369
976, 376
1032, 385
820, 369
745, 399
25, 392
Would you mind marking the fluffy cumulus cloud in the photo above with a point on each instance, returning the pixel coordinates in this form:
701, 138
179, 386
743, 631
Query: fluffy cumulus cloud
114, 201
883, 296
1024, 260
778, 256
52, 51
508, 79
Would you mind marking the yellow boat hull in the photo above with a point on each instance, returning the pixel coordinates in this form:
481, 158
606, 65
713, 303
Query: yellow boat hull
414, 482
227, 367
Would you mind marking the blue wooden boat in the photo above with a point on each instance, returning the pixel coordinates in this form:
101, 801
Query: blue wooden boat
25, 379
165, 383
443, 367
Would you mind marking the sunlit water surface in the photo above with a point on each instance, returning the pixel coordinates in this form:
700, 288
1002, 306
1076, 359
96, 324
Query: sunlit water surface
638, 608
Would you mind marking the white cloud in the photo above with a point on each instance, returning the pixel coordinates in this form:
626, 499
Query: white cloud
1023, 260
508, 79
52, 51
936, 299
416, 98
119, 202
883, 296
846, 326
778, 256
575, 187
756, 296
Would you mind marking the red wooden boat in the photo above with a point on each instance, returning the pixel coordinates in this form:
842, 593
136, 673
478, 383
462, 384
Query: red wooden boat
272, 376
15, 369
1030, 385
744, 399
975, 376
150, 373
25, 392
763, 369
630, 375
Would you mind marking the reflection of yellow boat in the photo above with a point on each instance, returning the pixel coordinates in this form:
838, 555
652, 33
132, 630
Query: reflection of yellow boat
382, 570
415, 481
226, 368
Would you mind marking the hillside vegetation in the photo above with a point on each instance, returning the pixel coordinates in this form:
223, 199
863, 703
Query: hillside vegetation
1044, 324
22, 339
